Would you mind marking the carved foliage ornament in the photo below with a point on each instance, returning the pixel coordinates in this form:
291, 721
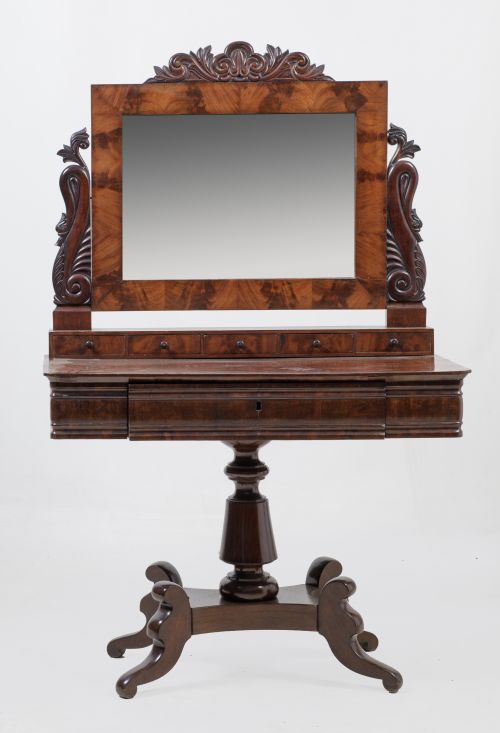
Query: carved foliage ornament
406, 270
239, 62
71, 271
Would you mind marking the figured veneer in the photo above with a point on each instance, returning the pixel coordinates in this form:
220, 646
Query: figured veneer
368, 100
88, 345
394, 342
249, 399
316, 344
88, 410
246, 387
164, 344
240, 344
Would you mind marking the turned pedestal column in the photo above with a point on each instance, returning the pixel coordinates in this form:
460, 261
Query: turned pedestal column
247, 538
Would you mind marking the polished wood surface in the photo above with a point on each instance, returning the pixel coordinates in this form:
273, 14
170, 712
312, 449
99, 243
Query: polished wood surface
247, 536
390, 368
320, 605
243, 343
368, 100
255, 399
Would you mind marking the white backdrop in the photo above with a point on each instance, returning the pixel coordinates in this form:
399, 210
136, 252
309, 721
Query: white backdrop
416, 523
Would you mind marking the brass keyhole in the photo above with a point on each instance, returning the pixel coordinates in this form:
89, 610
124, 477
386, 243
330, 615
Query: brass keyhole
258, 406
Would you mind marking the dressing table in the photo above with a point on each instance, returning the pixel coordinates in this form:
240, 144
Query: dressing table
244, 181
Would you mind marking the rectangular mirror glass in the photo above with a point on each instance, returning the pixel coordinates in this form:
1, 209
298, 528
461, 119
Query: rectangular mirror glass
238, 196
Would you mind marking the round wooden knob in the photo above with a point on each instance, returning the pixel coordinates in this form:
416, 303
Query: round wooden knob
240, 344
89, 344
163, 345
394, 342
316, 343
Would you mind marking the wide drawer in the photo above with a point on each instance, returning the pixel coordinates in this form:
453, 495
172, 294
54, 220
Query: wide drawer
398, 343
199, 411
164, 345
244, 344
87, 345
317, 343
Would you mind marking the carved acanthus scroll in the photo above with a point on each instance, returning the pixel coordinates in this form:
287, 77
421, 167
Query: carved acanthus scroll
71, 271
406, 270
239, 62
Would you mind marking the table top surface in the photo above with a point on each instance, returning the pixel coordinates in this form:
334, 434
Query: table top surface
256, 369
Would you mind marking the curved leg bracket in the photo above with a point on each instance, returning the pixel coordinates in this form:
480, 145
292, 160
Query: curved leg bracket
342, 627
168, 629
157, 571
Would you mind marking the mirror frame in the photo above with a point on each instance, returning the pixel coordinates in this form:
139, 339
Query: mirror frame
367, 100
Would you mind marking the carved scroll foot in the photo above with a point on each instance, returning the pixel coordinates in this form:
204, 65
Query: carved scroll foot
169, 628
155, 572
342, 627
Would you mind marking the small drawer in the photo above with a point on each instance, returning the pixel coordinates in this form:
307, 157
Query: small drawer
164, 345
317, 344
394, 342
87, 345
247, 344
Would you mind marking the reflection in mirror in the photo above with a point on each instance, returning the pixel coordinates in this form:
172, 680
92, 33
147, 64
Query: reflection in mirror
238, 196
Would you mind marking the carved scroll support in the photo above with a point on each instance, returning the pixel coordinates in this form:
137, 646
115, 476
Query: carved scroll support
406, 271
71, 274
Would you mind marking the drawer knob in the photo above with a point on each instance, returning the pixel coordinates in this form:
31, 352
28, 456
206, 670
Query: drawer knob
394, 342
89, 344
316, 343
163, 344
240, 344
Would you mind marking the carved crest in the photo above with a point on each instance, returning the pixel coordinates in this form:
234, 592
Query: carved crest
406, 271
71, 271
239, 62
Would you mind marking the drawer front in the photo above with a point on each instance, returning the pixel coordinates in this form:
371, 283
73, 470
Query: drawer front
394, 342
164, 345
317, 343
245, 344
344, 410
87, 345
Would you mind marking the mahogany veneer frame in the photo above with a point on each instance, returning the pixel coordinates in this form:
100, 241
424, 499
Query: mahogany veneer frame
368, 100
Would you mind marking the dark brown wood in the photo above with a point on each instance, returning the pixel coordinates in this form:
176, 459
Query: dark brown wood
406, 315
88, 410
164, 345
317, 344
256, 399
72, 318
241, 344
156, 572
247, 537
394, 342
169, 628
368, 100
406, 271
341, 625
315, 606
71, 273
239, 62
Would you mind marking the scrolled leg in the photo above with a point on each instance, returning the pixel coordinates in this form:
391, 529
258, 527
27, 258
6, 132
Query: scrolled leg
169, 628
157, 571
321, 570
342, 627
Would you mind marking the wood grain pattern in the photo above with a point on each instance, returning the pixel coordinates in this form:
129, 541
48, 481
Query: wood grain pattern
241, 344
390, 368
368, 100
256, 399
